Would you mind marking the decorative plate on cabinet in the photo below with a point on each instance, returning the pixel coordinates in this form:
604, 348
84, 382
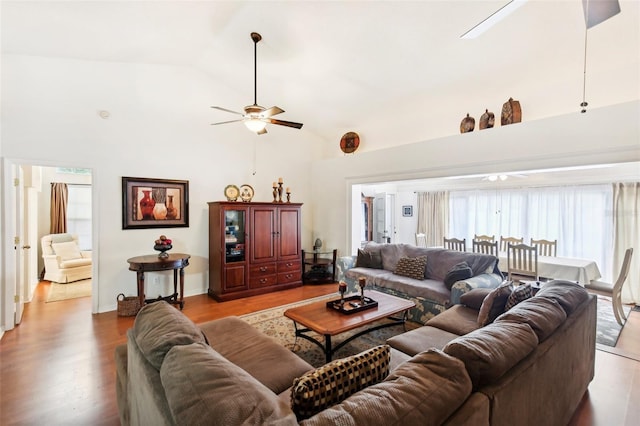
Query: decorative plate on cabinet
246, 193
231, 192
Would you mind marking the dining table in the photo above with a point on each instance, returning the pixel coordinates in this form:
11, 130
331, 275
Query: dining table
581, 271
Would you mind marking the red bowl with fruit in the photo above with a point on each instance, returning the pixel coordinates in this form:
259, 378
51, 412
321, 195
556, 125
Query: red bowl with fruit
163, 244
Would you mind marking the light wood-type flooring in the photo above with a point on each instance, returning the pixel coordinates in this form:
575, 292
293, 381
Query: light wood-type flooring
57, 366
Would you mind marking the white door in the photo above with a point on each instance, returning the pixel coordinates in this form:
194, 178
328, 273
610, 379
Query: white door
19, 243
379, 222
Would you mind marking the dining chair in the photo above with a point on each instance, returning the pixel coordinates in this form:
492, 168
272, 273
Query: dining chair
421, 240
522, 262
490, 238
485, 247
546, 247
455, 244
614, 290
505, 241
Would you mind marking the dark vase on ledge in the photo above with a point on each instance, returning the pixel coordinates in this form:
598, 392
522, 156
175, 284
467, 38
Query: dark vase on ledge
146, 206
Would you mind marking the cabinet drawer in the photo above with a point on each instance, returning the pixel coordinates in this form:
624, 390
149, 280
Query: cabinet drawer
289, 266
262, 269
262, 281
289, 277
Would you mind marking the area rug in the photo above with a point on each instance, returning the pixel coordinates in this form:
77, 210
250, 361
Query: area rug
67, 291
272, 322
608, 330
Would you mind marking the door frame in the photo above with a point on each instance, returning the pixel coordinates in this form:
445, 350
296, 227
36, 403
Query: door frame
8, 269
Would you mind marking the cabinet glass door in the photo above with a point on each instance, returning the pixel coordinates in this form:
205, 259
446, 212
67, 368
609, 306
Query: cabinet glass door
234, 235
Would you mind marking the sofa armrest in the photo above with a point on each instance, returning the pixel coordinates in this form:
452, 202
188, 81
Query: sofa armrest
86, 254
343, 264
479, 281
51, 261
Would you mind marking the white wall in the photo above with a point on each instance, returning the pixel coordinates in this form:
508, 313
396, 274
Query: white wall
605, 135
159, 128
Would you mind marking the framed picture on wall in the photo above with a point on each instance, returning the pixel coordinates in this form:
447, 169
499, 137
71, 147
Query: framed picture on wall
407, 211
154, 203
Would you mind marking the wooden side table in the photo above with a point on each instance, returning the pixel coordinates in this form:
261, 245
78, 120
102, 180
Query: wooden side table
149, 263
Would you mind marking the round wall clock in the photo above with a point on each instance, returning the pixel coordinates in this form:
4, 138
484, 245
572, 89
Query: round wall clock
231, 192
350, 142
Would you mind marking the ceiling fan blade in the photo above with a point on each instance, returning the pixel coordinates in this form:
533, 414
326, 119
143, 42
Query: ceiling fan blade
285, 123
225, 122
272, 111
227, 110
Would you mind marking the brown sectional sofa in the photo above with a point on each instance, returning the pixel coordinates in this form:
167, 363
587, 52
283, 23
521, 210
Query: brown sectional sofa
530, 366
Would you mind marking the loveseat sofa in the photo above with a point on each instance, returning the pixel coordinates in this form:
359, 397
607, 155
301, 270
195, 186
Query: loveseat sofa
439, 287
529, 366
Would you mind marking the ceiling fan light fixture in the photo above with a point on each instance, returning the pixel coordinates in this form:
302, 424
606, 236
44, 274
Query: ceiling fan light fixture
255, 124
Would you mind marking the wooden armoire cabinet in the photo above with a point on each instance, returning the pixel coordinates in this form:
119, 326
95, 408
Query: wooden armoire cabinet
254, 248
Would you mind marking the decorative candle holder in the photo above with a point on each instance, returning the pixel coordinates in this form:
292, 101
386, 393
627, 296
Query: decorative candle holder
288, 197
362, 282
342, 288
279, 192
275, 192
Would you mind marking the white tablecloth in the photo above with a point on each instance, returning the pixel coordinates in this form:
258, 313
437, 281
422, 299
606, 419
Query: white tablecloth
562, 268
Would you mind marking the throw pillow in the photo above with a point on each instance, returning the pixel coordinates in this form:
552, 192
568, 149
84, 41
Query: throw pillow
67, 251
367, 259
337, 380
460, 271
473, 298
412, 267
493, 304
519, 294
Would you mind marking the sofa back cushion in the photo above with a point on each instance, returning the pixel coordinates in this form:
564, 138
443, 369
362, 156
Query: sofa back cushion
335, 381
158, 327
426, 389
491, 351
204, 388
568, 294
543, 315
441, 261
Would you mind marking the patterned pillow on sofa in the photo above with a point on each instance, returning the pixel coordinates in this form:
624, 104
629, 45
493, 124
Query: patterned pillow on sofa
337, 380
412, 267
519, 294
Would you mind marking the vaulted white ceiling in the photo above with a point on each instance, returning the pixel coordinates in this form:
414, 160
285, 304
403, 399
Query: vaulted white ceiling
397, 72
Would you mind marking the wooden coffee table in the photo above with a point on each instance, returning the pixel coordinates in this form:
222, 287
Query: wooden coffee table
329, 322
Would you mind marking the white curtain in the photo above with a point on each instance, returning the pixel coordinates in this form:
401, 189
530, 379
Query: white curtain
433, 216
579, 217
626, 218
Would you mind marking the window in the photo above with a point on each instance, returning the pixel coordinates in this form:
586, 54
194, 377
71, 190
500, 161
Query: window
579, 217
79, 214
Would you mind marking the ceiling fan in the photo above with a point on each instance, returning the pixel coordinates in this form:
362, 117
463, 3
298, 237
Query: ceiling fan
256, 117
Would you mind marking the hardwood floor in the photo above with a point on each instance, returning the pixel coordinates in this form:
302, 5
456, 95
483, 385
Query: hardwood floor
57, 367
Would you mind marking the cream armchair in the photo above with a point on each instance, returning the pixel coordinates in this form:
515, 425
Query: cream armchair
64, 262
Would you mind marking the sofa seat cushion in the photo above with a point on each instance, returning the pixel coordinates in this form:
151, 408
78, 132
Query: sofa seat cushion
158, 327
458, 320
337, 380
427, 389
543, 315
491, 351
427, 289
204, 388
473, 298
75, 263
239, 342
569, 294
419, 340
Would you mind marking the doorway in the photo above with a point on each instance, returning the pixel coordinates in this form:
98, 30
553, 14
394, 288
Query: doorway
26, 229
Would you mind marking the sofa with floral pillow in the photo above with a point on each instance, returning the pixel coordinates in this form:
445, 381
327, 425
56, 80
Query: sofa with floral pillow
433, 278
